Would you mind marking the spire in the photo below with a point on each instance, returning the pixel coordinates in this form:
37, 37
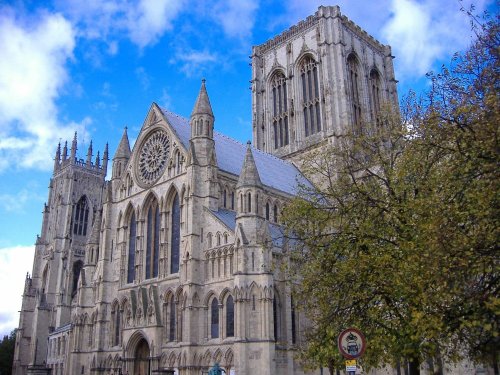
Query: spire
123, 150
65, 151
89, 155
249, 175
202, 105
57, 159
73, 149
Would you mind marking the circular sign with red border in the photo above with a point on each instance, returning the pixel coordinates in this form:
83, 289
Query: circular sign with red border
352, 343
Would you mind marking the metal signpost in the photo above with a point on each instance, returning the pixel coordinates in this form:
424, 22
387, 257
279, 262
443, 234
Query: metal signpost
352, 345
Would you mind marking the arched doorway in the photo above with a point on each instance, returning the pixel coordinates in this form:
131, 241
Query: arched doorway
141, 359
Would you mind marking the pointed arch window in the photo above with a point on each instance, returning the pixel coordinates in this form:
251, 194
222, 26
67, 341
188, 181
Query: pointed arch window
152, 240
275, 213
116, 320
77, 268
131, 250
175, 235
354, 92
280, 110
310, 96
81, 219
214, 319
375, 93
229, 317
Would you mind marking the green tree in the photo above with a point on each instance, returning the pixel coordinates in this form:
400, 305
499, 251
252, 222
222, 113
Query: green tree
400, 235
7, 353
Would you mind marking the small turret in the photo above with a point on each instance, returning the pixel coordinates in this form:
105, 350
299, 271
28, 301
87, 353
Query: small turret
105, 159
202, 117
57, 158
89, 155
65, 152
122, 155
97, 160
249, 176
74, 147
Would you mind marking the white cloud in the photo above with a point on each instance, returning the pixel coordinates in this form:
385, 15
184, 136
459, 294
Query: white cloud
32, 75
143, 21
236, 17
192, 61
15, 202
14, 263
422, 32
150, 19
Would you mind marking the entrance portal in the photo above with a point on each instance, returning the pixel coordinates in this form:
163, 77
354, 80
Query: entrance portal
142, 361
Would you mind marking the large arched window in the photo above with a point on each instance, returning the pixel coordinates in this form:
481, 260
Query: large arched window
229, 317
280, 110
81, 218
214, 319
310, 96
152, 240
131, 249
375, 93
354, 92
175, 238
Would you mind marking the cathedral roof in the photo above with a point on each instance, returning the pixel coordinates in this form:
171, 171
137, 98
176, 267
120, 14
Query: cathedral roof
273, 172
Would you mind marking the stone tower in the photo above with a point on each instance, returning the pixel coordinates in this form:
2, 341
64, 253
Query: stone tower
75, 194
321, 78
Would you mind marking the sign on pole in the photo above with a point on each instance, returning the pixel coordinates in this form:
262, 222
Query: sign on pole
351, 343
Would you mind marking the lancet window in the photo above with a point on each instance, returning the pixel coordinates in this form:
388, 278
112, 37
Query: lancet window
152, 240
131, 249
354, 92
310, 96
214, 319
175, 235
375, 92
280, 110
229, 317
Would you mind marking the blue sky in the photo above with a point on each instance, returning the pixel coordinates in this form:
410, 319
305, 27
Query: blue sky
95, 66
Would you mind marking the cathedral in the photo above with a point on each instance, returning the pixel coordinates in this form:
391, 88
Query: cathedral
172, 264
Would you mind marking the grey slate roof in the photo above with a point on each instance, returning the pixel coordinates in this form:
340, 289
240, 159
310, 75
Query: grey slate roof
273, 172
227, 217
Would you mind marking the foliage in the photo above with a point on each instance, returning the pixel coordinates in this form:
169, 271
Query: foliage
7, 353
400, 236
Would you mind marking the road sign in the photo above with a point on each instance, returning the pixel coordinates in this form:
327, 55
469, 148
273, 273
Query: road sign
351, 343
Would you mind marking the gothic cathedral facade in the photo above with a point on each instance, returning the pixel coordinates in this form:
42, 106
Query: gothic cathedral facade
173, 264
